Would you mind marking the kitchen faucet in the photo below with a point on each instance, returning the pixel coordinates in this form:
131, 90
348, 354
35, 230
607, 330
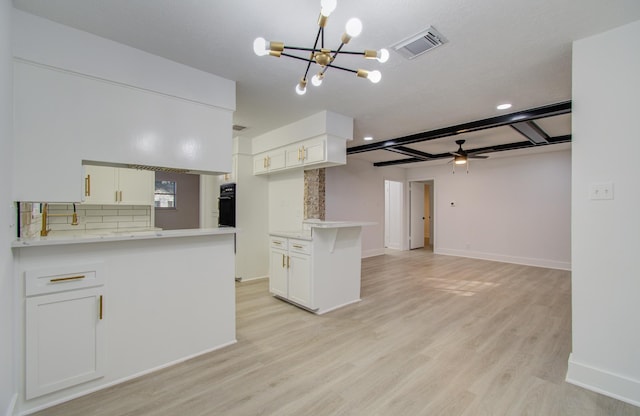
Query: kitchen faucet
45, 214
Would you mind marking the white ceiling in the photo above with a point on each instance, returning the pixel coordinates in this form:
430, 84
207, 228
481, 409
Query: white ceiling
516, 51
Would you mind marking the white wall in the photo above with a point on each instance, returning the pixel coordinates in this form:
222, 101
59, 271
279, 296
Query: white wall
356, 192
133, 108
286, 201
7, 311
252, 216
512, 209
605, 245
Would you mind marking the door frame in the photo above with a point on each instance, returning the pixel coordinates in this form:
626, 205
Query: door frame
432, 210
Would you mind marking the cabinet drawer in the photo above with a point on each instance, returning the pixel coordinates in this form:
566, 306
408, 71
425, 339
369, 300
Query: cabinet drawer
58, 279
279, 242
300, 246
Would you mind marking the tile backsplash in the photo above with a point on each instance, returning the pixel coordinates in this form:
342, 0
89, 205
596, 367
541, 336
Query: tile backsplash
90, 217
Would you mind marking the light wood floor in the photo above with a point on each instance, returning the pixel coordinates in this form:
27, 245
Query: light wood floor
433, 335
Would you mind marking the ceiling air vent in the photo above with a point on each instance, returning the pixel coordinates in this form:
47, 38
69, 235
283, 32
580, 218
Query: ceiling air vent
420, 43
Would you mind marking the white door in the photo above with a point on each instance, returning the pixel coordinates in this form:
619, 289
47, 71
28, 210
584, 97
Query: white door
393, 215
416, 215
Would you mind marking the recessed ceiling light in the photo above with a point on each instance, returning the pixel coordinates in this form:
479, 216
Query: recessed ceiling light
504, 106
367, 138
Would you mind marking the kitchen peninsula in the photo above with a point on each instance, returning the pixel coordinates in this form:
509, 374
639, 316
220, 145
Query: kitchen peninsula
98, 309
317, 268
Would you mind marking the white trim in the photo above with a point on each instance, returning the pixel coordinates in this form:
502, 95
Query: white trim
526, 261
604, 382
337, 307
122, 380
248, 279
12, 405
372, 253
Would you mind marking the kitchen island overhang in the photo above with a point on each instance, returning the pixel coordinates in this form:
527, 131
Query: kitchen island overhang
168, 296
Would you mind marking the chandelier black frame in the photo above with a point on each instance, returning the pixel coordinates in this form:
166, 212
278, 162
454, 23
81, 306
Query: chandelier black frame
322, 56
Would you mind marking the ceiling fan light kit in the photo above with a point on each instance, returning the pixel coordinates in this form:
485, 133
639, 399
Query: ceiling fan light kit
461, 156
321, 56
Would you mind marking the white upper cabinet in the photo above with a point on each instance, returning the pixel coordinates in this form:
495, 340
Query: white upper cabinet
314, 142
109, 185
307, 154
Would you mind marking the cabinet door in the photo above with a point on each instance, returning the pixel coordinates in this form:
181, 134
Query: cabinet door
64, 340
277, 160
260, 164
136, 187
100, 185
300, 284
314, 151
295, 155
278, 272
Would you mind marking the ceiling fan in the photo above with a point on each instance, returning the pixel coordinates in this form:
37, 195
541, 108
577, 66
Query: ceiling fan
461, 156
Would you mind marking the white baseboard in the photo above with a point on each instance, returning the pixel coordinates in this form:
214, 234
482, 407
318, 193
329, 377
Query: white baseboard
526, 261
604, 382
373, 253
248, 279
12, 405
122, 380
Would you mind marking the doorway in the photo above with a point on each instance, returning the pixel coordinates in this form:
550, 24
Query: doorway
421, 216
393, 209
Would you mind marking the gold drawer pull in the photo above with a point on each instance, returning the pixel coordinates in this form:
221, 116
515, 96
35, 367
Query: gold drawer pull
66, 279
100, 307
283, 264
87, 186
278, 243
297, 246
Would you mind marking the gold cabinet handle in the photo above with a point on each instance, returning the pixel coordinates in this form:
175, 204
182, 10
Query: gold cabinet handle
288, 265
100, 311
297, 246
264, 162
66, 279
304, 153
120, 196
278, 243
283, 265
87, 186
299, 153
268, 161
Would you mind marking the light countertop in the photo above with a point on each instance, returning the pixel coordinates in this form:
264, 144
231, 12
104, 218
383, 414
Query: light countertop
306, 233
98, 236
336, 224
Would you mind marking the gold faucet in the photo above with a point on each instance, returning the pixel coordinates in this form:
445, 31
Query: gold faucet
45, 214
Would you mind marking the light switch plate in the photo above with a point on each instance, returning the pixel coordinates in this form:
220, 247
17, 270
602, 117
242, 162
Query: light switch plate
601, 190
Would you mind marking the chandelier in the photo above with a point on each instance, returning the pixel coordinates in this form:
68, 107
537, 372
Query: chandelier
321, 56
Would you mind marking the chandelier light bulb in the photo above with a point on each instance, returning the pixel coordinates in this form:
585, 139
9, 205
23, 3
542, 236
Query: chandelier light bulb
260, 47
354, 27
383, 56
301, 88
327, 7
316, 80
374, 76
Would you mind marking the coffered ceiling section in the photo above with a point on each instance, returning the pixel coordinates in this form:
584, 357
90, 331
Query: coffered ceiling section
539, 128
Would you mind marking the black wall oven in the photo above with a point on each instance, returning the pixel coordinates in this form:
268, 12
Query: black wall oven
227, 205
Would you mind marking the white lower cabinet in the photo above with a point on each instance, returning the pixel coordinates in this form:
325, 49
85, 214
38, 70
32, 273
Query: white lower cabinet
291, 271
64, 330
320, 271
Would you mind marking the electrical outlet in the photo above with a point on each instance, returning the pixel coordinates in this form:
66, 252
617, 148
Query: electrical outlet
601, 190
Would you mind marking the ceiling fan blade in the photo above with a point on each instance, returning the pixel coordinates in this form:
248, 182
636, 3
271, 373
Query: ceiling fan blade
456, 154
477, 157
